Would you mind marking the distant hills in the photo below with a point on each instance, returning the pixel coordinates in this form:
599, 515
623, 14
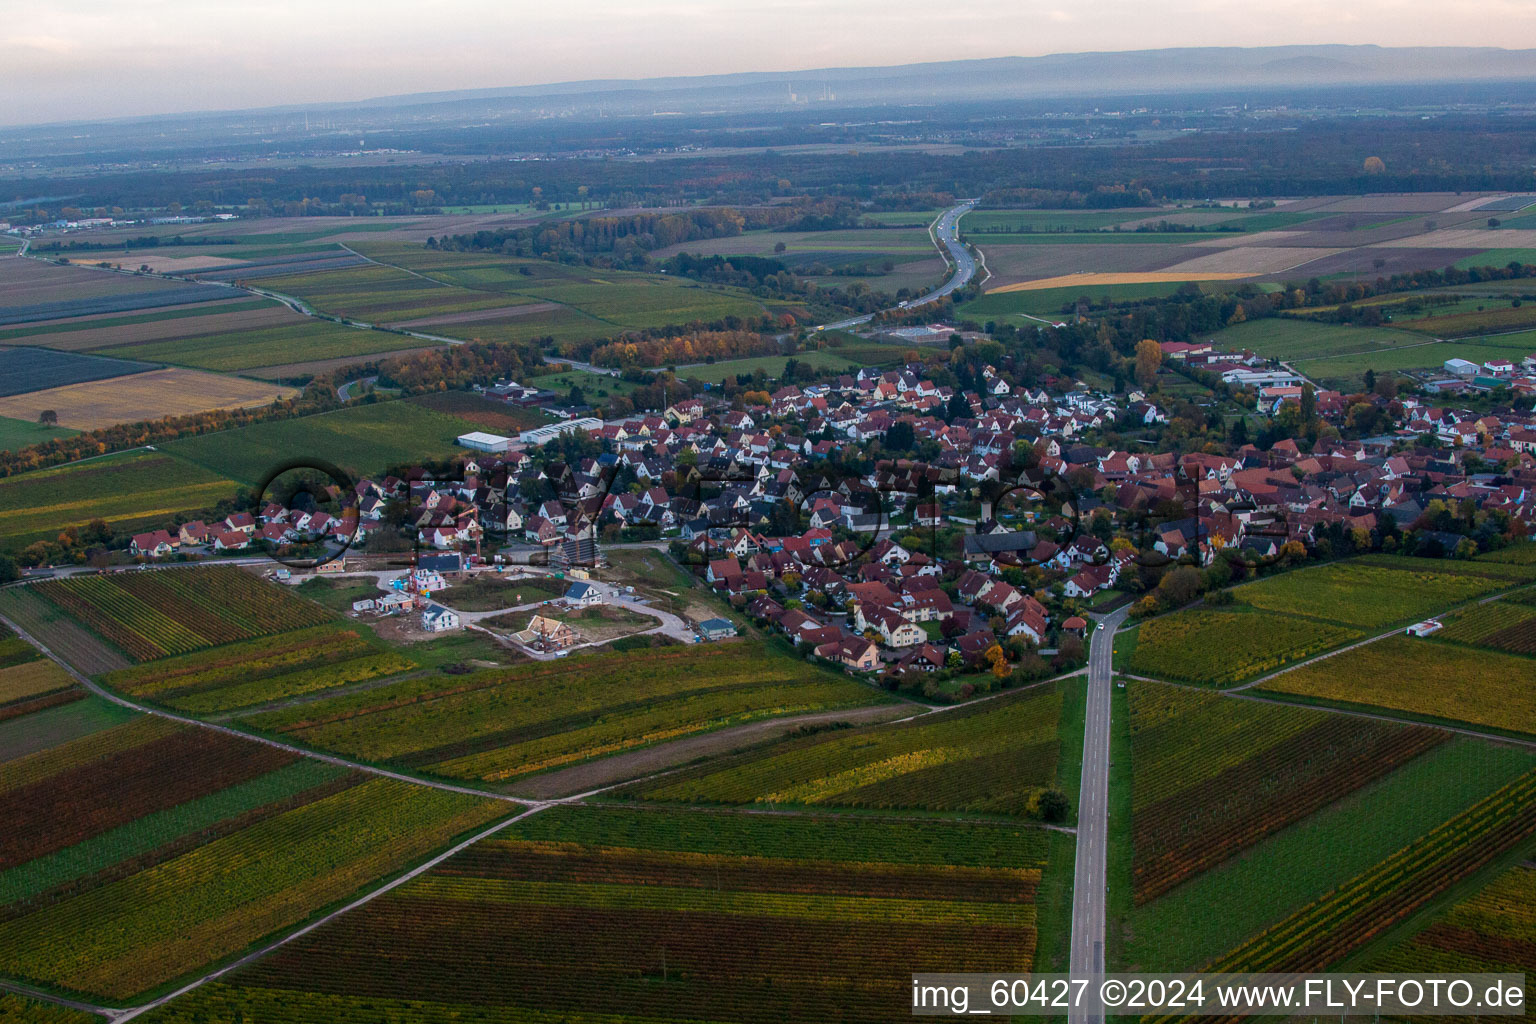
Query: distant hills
1061, 74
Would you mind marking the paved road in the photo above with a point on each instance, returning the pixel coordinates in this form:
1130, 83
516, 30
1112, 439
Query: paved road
1089, 892
946, 234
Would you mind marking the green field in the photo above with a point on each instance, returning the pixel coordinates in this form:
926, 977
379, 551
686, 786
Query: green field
1091, 238
244, 350
1049, 301
1220, 909
362, 439
994, 757
1063, 223
129, 320
773, 366
594, 386
128, 490
17, 434
503, 724
1220, 647
1500, 257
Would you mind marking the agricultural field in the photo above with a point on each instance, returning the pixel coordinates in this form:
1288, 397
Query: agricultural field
773, 366
1214, 776
629, 915
33, 291
1493, 930
1502, 625
18, 434
361, 439
484, 413
503, 724
1353, 913
252, 672
38, 369
994, 758
150, 615
21, 1010
1440, 681
142, 396
1219, 648
238, 350
29, 682
108, 330
1221, 909
1366, 595
148, 850
593, 385
128, 491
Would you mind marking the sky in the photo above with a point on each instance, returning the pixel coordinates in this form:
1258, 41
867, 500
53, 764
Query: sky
82, 59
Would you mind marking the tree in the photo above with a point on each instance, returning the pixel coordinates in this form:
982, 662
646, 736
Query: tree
576, 397
1180, 586
1374, 165
48, 418
779, 247
999, 661
1308, 405
1370, 380
1149, 356
1053, 806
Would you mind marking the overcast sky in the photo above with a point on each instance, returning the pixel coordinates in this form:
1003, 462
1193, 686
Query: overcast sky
73, 59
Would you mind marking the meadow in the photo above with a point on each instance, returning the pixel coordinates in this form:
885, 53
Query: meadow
248, 349
628, 915
773, 366
1440, 681
498, 725
993, 758
18, 434
361, 439
127, 490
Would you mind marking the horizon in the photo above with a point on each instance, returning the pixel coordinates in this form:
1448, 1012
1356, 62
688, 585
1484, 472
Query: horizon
243, 59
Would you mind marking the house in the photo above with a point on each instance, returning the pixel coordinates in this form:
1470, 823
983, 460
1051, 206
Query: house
716, 629
852, 652
583, 595
547, 633
923, 658
156, 544
437, 619
194, 532
242, 522
230, 540
393, 603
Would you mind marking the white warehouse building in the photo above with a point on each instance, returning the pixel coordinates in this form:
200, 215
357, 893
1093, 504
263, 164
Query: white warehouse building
480, 441
542, 435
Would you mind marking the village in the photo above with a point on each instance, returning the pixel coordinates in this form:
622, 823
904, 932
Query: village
887, 524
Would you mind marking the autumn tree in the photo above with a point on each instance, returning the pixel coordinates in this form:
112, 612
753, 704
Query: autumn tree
1149, 356
48, 418
999, 661
1374, 165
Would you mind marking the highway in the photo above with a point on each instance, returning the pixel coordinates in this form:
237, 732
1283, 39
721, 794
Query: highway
1090, 885
946, 235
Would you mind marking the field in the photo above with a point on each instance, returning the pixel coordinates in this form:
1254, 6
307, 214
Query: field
992, 758
506, 723
1502, 625
18, 434
128, 491
1366, 595
148, 850
150, 615
1215, 776
142, 396
1219, 648
38, 369
362, 439
1441, 681
308, 341
629, 915
485, 413
32, 291
1493, 931
29, 682
773, 366
593, 385
1367, 905
1224, 907
254, 672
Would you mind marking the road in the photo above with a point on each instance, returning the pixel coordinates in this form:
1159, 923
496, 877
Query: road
1090, 887
946, 235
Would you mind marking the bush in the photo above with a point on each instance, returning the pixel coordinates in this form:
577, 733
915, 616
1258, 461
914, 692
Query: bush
1054, 806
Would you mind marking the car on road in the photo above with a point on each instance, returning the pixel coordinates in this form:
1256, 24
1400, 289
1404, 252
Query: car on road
1101, 625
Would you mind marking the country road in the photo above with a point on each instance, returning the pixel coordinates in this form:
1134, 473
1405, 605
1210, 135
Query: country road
946, 235
1090, 885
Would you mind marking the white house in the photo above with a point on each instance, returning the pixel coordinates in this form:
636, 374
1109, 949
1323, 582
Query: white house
437, 619
583, 595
